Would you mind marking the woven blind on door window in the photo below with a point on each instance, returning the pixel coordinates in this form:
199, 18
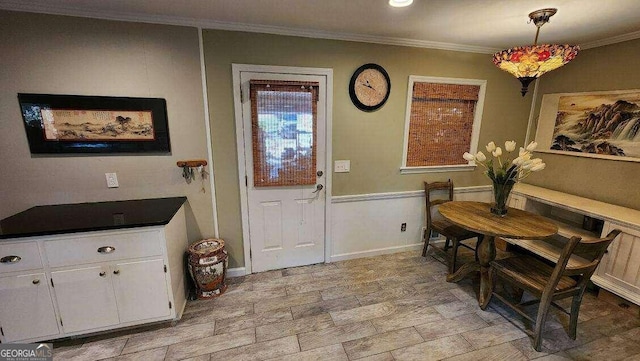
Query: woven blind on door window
441, 123
283, 129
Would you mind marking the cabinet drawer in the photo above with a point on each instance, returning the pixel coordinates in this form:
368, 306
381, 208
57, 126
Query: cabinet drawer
19, 257
103, 248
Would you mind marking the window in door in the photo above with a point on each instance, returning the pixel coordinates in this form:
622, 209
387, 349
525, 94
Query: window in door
283, 129
442, 122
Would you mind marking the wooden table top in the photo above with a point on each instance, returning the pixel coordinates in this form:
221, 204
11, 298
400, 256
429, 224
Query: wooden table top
477, 217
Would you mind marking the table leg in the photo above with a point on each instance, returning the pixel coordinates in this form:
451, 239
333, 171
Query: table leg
486, 254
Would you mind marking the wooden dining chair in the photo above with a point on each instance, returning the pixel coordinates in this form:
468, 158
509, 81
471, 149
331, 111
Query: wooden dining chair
576, 263
435, 222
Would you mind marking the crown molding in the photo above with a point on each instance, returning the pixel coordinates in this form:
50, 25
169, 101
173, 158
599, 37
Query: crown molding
18, 5
612, 40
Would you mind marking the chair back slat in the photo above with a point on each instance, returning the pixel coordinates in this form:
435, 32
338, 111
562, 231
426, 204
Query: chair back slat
593, 248
431, 202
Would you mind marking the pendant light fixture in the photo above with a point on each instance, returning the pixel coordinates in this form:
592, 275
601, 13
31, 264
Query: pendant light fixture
527, 63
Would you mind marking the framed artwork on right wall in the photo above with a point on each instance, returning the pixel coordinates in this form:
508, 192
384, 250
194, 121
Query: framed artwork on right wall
602, 124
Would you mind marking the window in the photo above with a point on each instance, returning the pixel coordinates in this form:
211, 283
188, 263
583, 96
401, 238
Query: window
442, 122
283, 118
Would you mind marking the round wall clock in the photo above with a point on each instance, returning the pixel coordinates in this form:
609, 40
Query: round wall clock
369, 87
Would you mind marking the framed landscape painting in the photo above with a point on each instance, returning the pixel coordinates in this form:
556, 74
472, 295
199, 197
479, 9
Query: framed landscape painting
596, 124
94, 124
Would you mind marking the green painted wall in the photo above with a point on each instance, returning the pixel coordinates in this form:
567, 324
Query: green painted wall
612, 67
372, 141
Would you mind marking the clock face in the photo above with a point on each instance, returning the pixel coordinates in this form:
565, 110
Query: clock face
369, 87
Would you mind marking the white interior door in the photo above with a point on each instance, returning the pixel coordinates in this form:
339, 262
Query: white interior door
284, 124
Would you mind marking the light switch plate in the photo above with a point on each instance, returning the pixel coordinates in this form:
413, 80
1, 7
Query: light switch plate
341, 166
112, 180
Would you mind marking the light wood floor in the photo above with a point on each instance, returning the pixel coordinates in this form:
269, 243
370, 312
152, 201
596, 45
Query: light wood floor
394, 307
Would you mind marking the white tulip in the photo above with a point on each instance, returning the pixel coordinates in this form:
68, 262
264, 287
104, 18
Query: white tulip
527, 164
536, 161
522, 152
538, 167
491, 147
468, 156
518, 161
480, 157
532, 146
497, 152
510, 145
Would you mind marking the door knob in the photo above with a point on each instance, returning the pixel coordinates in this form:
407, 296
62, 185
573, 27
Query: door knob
10, 259
36, 281
102, 274
116, 272
106, 249
320, 173
319, 187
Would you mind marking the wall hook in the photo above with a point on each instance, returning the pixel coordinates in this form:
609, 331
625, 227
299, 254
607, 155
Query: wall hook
188, 172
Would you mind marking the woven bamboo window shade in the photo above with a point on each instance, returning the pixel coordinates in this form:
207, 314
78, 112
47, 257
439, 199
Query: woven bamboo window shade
283, 129
441, 123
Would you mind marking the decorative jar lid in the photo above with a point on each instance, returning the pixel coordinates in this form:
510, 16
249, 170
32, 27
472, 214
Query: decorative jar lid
207, 246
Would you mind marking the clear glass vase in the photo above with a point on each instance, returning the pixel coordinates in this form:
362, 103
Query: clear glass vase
501, 193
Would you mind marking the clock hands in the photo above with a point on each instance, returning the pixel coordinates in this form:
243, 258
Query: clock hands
368, 85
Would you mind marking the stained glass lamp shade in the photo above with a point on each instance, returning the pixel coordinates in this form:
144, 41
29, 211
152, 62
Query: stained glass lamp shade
527, 63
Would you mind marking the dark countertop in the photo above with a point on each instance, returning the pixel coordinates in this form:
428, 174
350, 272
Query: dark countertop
87, 217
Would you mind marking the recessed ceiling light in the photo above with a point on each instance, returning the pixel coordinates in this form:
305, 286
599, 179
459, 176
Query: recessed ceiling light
400, 3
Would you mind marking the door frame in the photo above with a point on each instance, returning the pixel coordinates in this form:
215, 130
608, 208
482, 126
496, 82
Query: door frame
240, 148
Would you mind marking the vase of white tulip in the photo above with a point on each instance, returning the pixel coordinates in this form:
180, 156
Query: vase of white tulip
505, 173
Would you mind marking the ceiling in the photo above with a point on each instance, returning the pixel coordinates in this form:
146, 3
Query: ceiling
470, 25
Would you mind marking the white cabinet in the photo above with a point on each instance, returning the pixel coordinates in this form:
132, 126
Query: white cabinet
26, 308
85, 298
71, 284
99, 296
517, 201
141, 290
619, 270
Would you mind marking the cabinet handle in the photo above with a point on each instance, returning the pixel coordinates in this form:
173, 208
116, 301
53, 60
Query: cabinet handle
106, 249
36, 281
10, 259
102, 274
116, 272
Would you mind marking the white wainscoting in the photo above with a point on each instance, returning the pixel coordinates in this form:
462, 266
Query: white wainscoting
369, 224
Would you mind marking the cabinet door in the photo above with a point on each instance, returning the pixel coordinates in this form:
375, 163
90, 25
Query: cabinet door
619, 270
85, 298
517, 201
26, 308
141, 290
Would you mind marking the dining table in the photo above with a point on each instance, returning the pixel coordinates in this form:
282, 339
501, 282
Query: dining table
477, 217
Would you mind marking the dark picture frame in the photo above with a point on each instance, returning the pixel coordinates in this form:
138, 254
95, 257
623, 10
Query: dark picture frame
94, 124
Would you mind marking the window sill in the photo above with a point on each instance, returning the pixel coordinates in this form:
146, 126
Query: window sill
438, 169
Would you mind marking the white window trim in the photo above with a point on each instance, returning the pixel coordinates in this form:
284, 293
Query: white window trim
475, 133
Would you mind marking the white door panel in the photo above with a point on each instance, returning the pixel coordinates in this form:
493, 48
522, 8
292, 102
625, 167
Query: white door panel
286, 223
26, 308
85, 298
141, 290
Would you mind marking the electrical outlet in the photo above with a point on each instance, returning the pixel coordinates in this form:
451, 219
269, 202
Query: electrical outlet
112, 180
342, 166
403, 227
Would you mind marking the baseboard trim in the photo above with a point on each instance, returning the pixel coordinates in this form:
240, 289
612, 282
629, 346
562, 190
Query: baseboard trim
236, 272
375, 252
